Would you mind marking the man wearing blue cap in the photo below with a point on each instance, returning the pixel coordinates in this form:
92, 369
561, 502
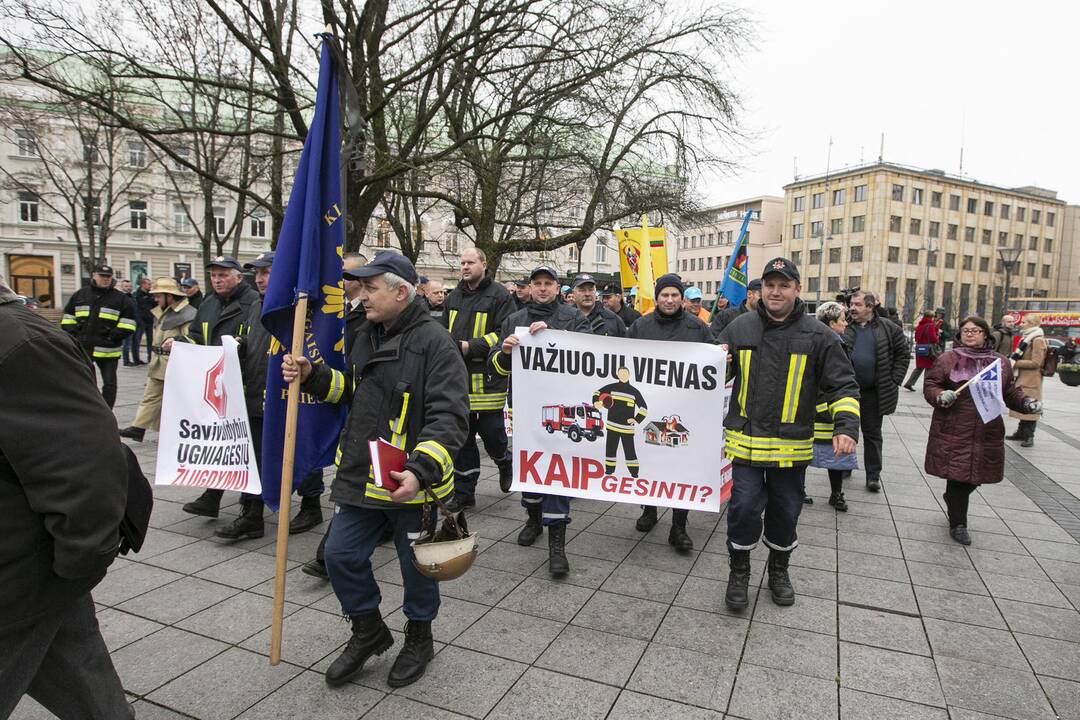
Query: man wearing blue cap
692, 304
405, 383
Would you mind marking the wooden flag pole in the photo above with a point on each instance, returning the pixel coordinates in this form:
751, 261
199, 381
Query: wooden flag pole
281, 553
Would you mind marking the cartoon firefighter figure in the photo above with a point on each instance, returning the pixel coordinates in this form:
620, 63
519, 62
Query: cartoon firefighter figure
626, 408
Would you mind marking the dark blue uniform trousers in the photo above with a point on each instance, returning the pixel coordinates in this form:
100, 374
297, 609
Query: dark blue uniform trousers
554, 509
778, 492
354, 533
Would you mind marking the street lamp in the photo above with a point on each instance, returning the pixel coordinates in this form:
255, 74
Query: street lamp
1009, 257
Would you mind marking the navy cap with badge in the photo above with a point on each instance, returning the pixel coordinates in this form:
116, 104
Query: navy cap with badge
583, 279
544, 270
225, 261
385, 261
104, 270
781, 266
263, 261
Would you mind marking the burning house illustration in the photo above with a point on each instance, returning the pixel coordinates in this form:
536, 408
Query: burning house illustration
669, 432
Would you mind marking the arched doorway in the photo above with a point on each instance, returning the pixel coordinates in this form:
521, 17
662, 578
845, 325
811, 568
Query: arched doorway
32, 276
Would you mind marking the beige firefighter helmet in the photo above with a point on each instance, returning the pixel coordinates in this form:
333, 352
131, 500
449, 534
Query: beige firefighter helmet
444, 559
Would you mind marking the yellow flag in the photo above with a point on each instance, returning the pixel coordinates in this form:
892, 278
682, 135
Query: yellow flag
645, 301
629, 256
658, 250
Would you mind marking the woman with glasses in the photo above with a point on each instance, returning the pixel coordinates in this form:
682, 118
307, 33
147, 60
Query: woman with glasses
962, 449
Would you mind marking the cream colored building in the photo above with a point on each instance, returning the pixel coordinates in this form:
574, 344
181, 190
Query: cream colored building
1068, 284
921, 238
707, 238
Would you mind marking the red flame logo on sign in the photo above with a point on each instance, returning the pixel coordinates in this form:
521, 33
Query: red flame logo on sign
214, 388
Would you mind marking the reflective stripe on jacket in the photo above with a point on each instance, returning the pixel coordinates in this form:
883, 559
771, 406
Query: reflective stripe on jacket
100, 318
475, 316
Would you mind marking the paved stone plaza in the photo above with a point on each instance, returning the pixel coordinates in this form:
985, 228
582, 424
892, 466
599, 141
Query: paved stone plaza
893, 619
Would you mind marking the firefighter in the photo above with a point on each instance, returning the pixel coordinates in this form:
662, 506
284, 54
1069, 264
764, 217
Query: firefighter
473, 313
100, 317
172, 317
543, 311
626, 410
521, 293
671, 323
782, 360
220, 314
406, 383
601, 320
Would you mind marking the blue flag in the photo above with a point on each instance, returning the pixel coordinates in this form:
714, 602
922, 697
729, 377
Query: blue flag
733, 286
308, 259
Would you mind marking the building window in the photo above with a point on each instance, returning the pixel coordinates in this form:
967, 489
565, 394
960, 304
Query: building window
183, 155
798, 204
972, 205
1019, 240
833, 284
935, 229
838, 197
92, 209
137, 214
1031, 267
968, 262
911, 289
1046, 272
1020, 213
258, 223
915, 227
916, 196
1048, 244
950, 261
931, 293
1035, 216
796, 231
898, 192
712, 239
836, 226
854, 281
954, 202
984, 264
858, 223
1003, 239
1005, 211
816, 228
601, 251
965, 299
136, 154
815, 257
856, 253
860, 193
988, 209
950, 232
29, 203
813, 284
969, 234
890, 292
708, 265
834, 255
935, 199
219, 220
1050, 217
1033, 243
947, 298
894, 223
26, 144
913, 257
181, 221
931, 258
796, 255
817, 201
894, 254
89, 149
987, 237
683, 265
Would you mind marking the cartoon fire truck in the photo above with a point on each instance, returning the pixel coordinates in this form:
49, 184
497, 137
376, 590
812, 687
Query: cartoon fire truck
577, 421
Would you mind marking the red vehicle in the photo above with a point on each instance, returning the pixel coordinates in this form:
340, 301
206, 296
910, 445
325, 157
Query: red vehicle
577, 421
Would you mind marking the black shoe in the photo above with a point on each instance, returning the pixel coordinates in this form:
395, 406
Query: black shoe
678, 539
1016, 436
415, 655
779, 582
1028, 442
133, 433
908, 387
370, 636
737, 596
558, 565
208, 504
807, 500
647, 521
873, 483
838, 502
129, 364
309, 516
459, 502
534, 526
506, 476
315, 568
248, 526
960, 535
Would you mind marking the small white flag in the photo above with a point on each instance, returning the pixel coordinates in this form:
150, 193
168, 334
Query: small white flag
986, 392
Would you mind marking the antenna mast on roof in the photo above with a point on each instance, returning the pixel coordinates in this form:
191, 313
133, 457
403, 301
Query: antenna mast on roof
795, 162
881, 150
963, 122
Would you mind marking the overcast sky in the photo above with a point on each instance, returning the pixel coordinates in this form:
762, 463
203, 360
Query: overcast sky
1005, 77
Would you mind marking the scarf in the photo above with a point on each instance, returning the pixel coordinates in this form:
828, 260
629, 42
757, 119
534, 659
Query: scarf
1027, 336
970, 362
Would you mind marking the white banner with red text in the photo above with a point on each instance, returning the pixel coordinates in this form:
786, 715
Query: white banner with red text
634, 421
205, 437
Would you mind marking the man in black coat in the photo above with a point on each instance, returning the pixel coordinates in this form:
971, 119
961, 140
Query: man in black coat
612, 299
191, 289
880, 355
723, 318
63, 489
601, 320
144, 320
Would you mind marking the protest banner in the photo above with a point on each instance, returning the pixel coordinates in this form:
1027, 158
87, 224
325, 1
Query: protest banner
621, 420
205, 436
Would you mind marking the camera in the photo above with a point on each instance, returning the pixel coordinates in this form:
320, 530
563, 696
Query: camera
844, 296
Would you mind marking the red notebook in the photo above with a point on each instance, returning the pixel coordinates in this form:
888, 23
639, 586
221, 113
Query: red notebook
385, 458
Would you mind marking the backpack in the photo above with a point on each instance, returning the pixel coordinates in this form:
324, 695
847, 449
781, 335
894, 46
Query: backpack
1050, 362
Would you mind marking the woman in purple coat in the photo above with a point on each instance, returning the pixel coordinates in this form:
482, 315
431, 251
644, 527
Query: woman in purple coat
962, 448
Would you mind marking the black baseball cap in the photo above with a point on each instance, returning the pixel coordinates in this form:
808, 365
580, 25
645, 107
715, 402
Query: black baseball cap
104, 270
546, 270
423, 279
521, 282
582, 279
783, 266
225, 261
608, 291
264, 260
189, 282
385, 261
754, 285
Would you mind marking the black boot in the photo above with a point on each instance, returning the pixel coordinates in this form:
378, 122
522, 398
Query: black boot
533, 526
779, 582
459, 502
737, 596
647, 521
250, 523
208, 504
677, 537
557, 562
315, 568
309, 516
133, 433
415, 654
836, 499
506, 474
370, 636
1028, 428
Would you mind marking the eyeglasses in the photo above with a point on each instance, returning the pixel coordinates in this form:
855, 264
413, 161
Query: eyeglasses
972, 331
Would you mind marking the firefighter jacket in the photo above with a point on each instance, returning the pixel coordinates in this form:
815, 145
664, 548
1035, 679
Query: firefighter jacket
219, 316
823, 419
628, 315
780, 369
170, 322
354, 318
678, 327
723, 318
254, 351
557, 315
475, 316
408, 386
100, 318
604, 322
627, 404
